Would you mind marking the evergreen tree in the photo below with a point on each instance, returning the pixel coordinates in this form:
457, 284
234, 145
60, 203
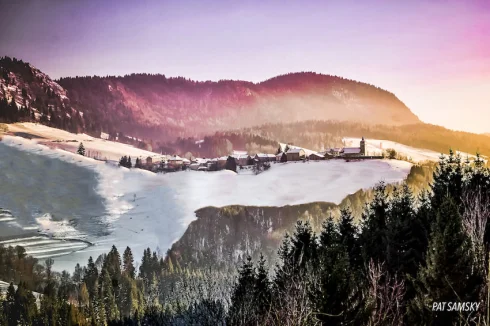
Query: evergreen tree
112, 264
242, 299
107, 296
295, 274
138, 164
128, 263
129, 296
348, 237
25, 308
10, 309
230, 164
407, 235
90, 278
123, 161
448, 275
334, 294
448, 180
374, 229
81, 150
263, 292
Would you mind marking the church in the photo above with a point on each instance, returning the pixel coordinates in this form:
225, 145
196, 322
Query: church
355, 151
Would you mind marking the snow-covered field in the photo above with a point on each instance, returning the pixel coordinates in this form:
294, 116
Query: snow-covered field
377, 146
102, 148
142, 209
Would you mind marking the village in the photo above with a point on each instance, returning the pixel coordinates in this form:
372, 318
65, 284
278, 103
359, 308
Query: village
242, 160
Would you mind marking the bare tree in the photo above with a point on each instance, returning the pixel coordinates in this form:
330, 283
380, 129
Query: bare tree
292, 305
476, 216
385, 296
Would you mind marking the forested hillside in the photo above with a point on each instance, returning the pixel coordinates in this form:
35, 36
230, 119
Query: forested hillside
162, 109
193, 108
27, 94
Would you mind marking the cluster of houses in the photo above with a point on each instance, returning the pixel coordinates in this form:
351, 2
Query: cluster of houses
286, 153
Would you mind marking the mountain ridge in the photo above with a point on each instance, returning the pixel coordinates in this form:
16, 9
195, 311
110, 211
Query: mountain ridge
205, 107
160, 108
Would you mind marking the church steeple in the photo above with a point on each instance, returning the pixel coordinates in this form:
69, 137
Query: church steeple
363, 146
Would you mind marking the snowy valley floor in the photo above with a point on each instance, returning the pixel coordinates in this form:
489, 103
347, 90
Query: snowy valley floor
164, 204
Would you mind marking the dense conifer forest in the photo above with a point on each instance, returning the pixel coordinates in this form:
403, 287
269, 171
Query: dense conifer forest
406, 253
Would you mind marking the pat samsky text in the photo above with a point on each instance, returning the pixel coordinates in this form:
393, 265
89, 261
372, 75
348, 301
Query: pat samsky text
455, 306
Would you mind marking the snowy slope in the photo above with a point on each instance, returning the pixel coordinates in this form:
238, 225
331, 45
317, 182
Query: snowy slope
377, 146
149, 210
102, 148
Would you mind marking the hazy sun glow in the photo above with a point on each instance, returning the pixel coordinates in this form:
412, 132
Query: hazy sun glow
434, 55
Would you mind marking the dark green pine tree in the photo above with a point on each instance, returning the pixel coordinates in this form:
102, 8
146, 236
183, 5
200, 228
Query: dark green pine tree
295, 273
297, 254
349, 237
263, 293
128, 263
374, 229
123, 161
90, 278
81, 150
304, 247
333, 295
112, 264
107, 296
448, 180
49, 304
137, 163
448, 275
129, 164
230, 164
407, 235
25, 308
10, 310
329, 235
242, 308
146, 267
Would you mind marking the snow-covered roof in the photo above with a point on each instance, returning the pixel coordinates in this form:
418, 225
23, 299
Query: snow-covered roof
201, 160
238, 153
175, 158
223, 158
261, 155
280, 154
317, 154
244, 156
352, 150
295, 150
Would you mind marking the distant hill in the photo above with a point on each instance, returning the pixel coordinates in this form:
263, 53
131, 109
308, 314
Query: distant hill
193, 107
161, 108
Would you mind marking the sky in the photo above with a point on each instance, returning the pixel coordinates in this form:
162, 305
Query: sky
433, 55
